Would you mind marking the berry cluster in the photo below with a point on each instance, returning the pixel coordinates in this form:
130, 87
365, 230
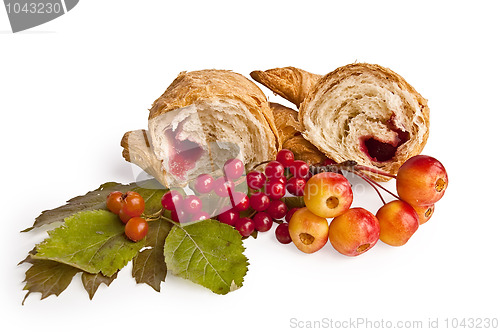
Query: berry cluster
129, 207
190, 208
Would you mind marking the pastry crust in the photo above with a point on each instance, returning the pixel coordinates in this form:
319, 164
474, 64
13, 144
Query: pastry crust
291, 83
290, 135
202, 119
359, 111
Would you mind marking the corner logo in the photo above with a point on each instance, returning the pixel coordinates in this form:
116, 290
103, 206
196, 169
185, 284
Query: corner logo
26, 14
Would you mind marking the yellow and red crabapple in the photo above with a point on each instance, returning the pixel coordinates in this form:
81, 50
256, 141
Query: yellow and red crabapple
398, 222
308, 231
328, 194
421, 180
354, 232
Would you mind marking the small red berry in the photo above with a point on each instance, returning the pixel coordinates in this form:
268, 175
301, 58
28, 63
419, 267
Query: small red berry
114, 202
277, 209
192, 204
229, 217
204, 183
136, 229
234, 168
296, 186
133, 204
275, 189
274, 169
245, 226
256, 180
299, 169
282, 233
259, 201
223, 187
285, 157
171, 200
240, 201
262, 221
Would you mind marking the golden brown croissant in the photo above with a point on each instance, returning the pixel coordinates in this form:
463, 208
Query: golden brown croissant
290, 135
361, 112
203, 119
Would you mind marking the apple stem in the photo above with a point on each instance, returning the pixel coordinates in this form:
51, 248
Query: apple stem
373, 186
374, 183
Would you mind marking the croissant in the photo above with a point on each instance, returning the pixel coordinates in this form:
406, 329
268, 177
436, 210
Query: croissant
290, 135
361, 112
203, 119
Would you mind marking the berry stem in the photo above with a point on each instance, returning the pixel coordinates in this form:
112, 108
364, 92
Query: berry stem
373, 170
367, 179
348, 165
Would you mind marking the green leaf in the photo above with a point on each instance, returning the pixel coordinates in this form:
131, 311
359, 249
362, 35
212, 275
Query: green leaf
294, 202
208, 253
47, 277
93, 241
91, 282
149, 265
96, 200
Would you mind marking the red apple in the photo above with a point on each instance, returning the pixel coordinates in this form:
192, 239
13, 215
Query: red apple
354, 232
309, 232
398, 222
328, 194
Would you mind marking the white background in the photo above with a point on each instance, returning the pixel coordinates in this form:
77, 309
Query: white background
70, 88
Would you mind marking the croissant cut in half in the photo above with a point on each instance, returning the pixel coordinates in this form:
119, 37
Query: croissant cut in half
361, 112
203, 119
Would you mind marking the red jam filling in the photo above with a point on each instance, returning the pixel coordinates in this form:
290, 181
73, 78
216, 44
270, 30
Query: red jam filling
183, 154
379, 151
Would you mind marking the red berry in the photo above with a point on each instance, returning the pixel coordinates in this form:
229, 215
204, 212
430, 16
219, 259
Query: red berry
229, 217
204, 183
274, 169
240, 201
123, 216
202, 215
245, 226
136, 229
275, 189
192, 204
256, 180
114, 202
299, 169
285, 157
289, 214
171, 200
223, 187
295, 186
277, 209
282, 233
180, 216
259, 201
262, 221
133, 204
234, 168
281, 179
